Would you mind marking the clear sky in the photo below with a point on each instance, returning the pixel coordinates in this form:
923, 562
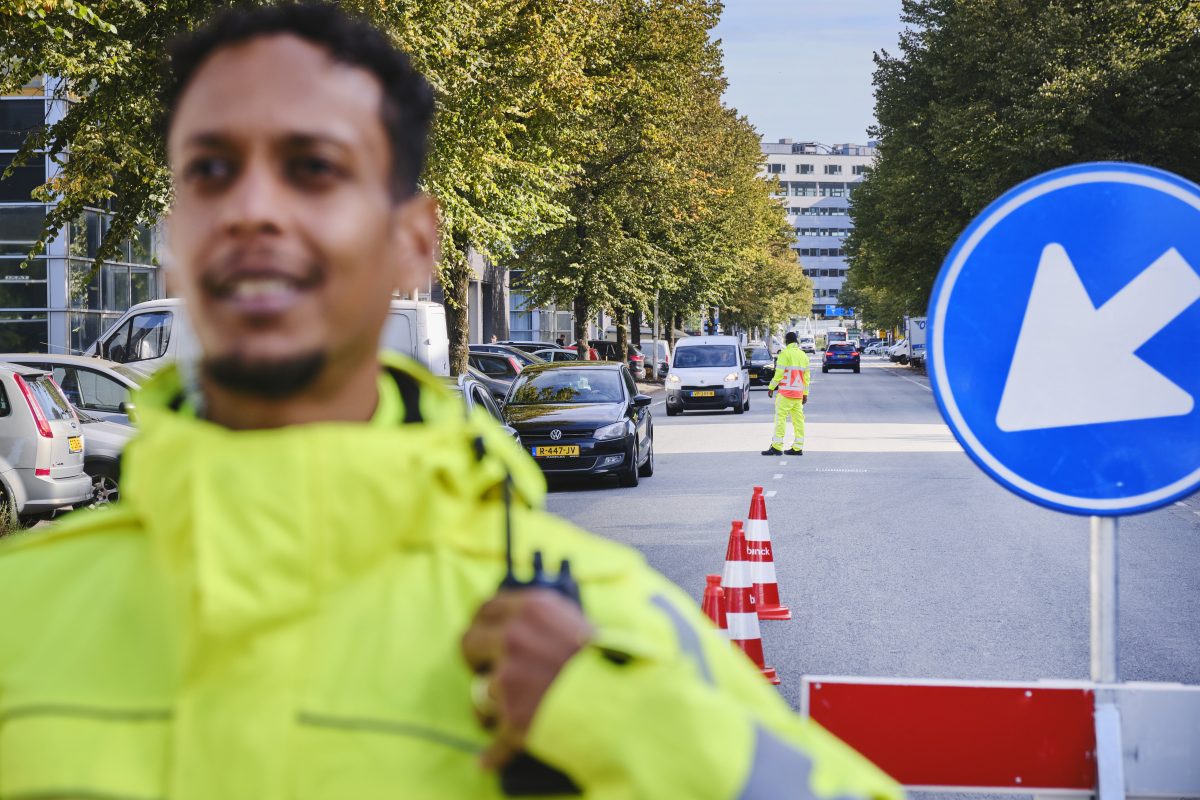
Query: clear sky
801, 69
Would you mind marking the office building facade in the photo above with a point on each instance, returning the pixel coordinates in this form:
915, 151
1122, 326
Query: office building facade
61, 302
816, 183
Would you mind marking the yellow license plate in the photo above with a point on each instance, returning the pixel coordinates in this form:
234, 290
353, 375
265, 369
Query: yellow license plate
557, 450
75, 444
704, 394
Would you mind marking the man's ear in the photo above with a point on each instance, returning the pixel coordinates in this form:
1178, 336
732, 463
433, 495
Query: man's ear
415, 241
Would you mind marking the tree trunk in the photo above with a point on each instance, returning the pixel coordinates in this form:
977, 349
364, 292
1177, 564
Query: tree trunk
619, 319
668, 318
635, 328
581, 324
457, 288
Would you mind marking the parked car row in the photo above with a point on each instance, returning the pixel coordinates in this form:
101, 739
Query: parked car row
64, 419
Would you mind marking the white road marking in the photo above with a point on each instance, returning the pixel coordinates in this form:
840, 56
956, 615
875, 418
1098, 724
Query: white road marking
821, 437
910, 380
783, 463
769, 494
778, 475
1181, 503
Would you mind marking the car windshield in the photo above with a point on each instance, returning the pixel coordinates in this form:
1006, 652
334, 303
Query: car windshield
567, 386
706, 355
757, 354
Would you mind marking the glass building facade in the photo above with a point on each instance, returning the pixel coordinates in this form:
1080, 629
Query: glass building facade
60, 302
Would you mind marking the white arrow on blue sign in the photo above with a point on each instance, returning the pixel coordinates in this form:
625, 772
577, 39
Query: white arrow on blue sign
1065, 339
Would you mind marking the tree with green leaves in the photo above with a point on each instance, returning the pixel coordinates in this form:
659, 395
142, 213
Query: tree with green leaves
512, 92
983, 95
668, 203
582, 139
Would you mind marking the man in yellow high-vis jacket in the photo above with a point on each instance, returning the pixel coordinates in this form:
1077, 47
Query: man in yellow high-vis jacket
297, 595
790, 383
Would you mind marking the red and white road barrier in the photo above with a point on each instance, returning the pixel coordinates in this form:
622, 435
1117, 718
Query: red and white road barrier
758, 542
1044, 737
740, 611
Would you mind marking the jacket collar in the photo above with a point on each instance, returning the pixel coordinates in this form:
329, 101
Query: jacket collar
256, 525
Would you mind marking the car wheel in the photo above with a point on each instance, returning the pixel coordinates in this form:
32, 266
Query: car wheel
8, 513
104, 484
647, 469
671, 412
629, 476
856, 370
746, 405
740, 408
824, 369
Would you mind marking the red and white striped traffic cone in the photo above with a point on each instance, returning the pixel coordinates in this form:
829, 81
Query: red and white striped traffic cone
758, 544
740, 612
713, 604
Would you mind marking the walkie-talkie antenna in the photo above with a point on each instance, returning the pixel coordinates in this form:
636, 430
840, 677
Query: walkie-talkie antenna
509, 577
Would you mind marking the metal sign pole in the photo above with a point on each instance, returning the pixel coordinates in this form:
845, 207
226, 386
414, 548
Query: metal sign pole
1110, 767
1104, 600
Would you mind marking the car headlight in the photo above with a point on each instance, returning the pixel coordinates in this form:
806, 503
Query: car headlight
614, 431
672, 378
733, 376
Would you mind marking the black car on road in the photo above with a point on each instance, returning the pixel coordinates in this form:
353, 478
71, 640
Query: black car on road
760, 365
583, 418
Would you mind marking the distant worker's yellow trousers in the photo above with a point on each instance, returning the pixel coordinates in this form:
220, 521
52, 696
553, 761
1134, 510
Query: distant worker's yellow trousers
788, 407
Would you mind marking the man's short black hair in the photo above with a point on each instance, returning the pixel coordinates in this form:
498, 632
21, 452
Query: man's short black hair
790, 337
407, 107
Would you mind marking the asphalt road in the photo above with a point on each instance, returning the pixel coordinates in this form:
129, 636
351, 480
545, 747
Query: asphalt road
897, 556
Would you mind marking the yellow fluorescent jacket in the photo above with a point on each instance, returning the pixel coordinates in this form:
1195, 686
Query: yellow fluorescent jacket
277, 614
791, 372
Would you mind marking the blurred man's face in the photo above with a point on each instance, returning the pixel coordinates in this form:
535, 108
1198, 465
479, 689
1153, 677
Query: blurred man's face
286, 238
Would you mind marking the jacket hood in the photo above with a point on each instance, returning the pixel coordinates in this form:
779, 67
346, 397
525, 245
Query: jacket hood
261, 523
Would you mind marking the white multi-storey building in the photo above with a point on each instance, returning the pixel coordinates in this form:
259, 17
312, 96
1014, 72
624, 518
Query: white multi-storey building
815, 185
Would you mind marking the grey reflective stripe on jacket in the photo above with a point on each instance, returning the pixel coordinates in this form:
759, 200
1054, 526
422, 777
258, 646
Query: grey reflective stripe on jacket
689, 641
780, 772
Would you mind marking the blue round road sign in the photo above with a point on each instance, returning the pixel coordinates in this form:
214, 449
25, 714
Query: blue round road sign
1064, 339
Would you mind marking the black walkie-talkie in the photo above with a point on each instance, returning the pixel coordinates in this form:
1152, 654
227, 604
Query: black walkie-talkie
524, 775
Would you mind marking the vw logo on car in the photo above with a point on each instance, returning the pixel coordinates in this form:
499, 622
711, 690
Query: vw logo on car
556, 434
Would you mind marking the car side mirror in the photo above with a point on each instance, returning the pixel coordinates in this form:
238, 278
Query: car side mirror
511, 431
642, 400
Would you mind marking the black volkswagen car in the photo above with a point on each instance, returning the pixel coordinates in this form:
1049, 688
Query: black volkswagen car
760, 364
583, 418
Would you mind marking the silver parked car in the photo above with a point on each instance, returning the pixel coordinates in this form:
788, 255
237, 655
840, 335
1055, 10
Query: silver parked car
102, 455
99, 387
41, 447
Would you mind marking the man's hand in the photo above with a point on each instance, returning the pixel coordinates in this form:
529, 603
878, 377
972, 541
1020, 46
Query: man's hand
770, 392
518, 642
804, 400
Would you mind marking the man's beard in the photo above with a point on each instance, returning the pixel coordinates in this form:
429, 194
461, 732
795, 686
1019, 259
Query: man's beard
271, 380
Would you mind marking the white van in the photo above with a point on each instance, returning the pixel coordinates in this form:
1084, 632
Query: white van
708, 372
158, 332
